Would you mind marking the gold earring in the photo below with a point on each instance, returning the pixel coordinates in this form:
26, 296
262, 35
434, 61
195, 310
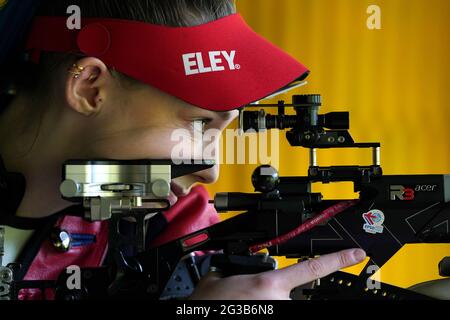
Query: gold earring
76, 70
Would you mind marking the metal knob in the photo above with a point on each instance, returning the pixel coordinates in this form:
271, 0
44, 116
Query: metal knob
69, 188
160, 188
265, 178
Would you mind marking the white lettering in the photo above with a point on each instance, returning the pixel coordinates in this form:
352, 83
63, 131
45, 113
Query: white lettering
249, 148
373, 282
74, 280
213, 57
230, 58
74, 21
196, 62
188, 310
183, 149
201, 66
188, 64
374, 20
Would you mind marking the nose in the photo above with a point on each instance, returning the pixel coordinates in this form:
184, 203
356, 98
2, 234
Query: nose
208, 176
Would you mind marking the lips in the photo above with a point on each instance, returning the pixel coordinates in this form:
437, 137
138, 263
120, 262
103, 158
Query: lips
176, 191
172, 198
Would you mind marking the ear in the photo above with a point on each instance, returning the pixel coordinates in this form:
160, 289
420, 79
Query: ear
87, 85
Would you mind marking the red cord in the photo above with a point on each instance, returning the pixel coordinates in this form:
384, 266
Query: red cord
324, 215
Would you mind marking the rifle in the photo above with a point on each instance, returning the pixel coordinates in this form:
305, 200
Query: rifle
282, 215
392, 210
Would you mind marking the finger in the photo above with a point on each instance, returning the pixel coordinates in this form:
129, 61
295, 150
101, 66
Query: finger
307, 271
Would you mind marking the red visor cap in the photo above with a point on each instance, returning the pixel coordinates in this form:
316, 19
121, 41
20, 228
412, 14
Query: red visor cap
219, 66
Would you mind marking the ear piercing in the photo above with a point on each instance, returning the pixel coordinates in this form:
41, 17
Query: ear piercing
76, 70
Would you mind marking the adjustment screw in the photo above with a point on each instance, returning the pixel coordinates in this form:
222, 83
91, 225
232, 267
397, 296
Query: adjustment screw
6, 274
60, 239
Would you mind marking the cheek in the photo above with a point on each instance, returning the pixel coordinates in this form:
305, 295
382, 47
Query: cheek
155, 143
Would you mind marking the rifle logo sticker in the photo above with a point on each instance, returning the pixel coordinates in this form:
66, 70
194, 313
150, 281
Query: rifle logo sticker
374, 221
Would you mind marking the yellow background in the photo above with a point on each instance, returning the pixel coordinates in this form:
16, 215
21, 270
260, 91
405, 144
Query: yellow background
394, 82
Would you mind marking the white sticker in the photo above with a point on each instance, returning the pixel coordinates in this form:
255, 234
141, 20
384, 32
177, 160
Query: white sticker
374, 221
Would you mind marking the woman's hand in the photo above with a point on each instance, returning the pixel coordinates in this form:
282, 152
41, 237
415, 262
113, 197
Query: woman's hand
277, 284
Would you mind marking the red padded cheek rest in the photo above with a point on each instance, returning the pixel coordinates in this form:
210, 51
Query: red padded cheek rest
191, 213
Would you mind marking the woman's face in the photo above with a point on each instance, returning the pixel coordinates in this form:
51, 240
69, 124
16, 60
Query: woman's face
141, 122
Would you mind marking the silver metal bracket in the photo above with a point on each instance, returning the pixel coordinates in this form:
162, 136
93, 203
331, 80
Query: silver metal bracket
108, 186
